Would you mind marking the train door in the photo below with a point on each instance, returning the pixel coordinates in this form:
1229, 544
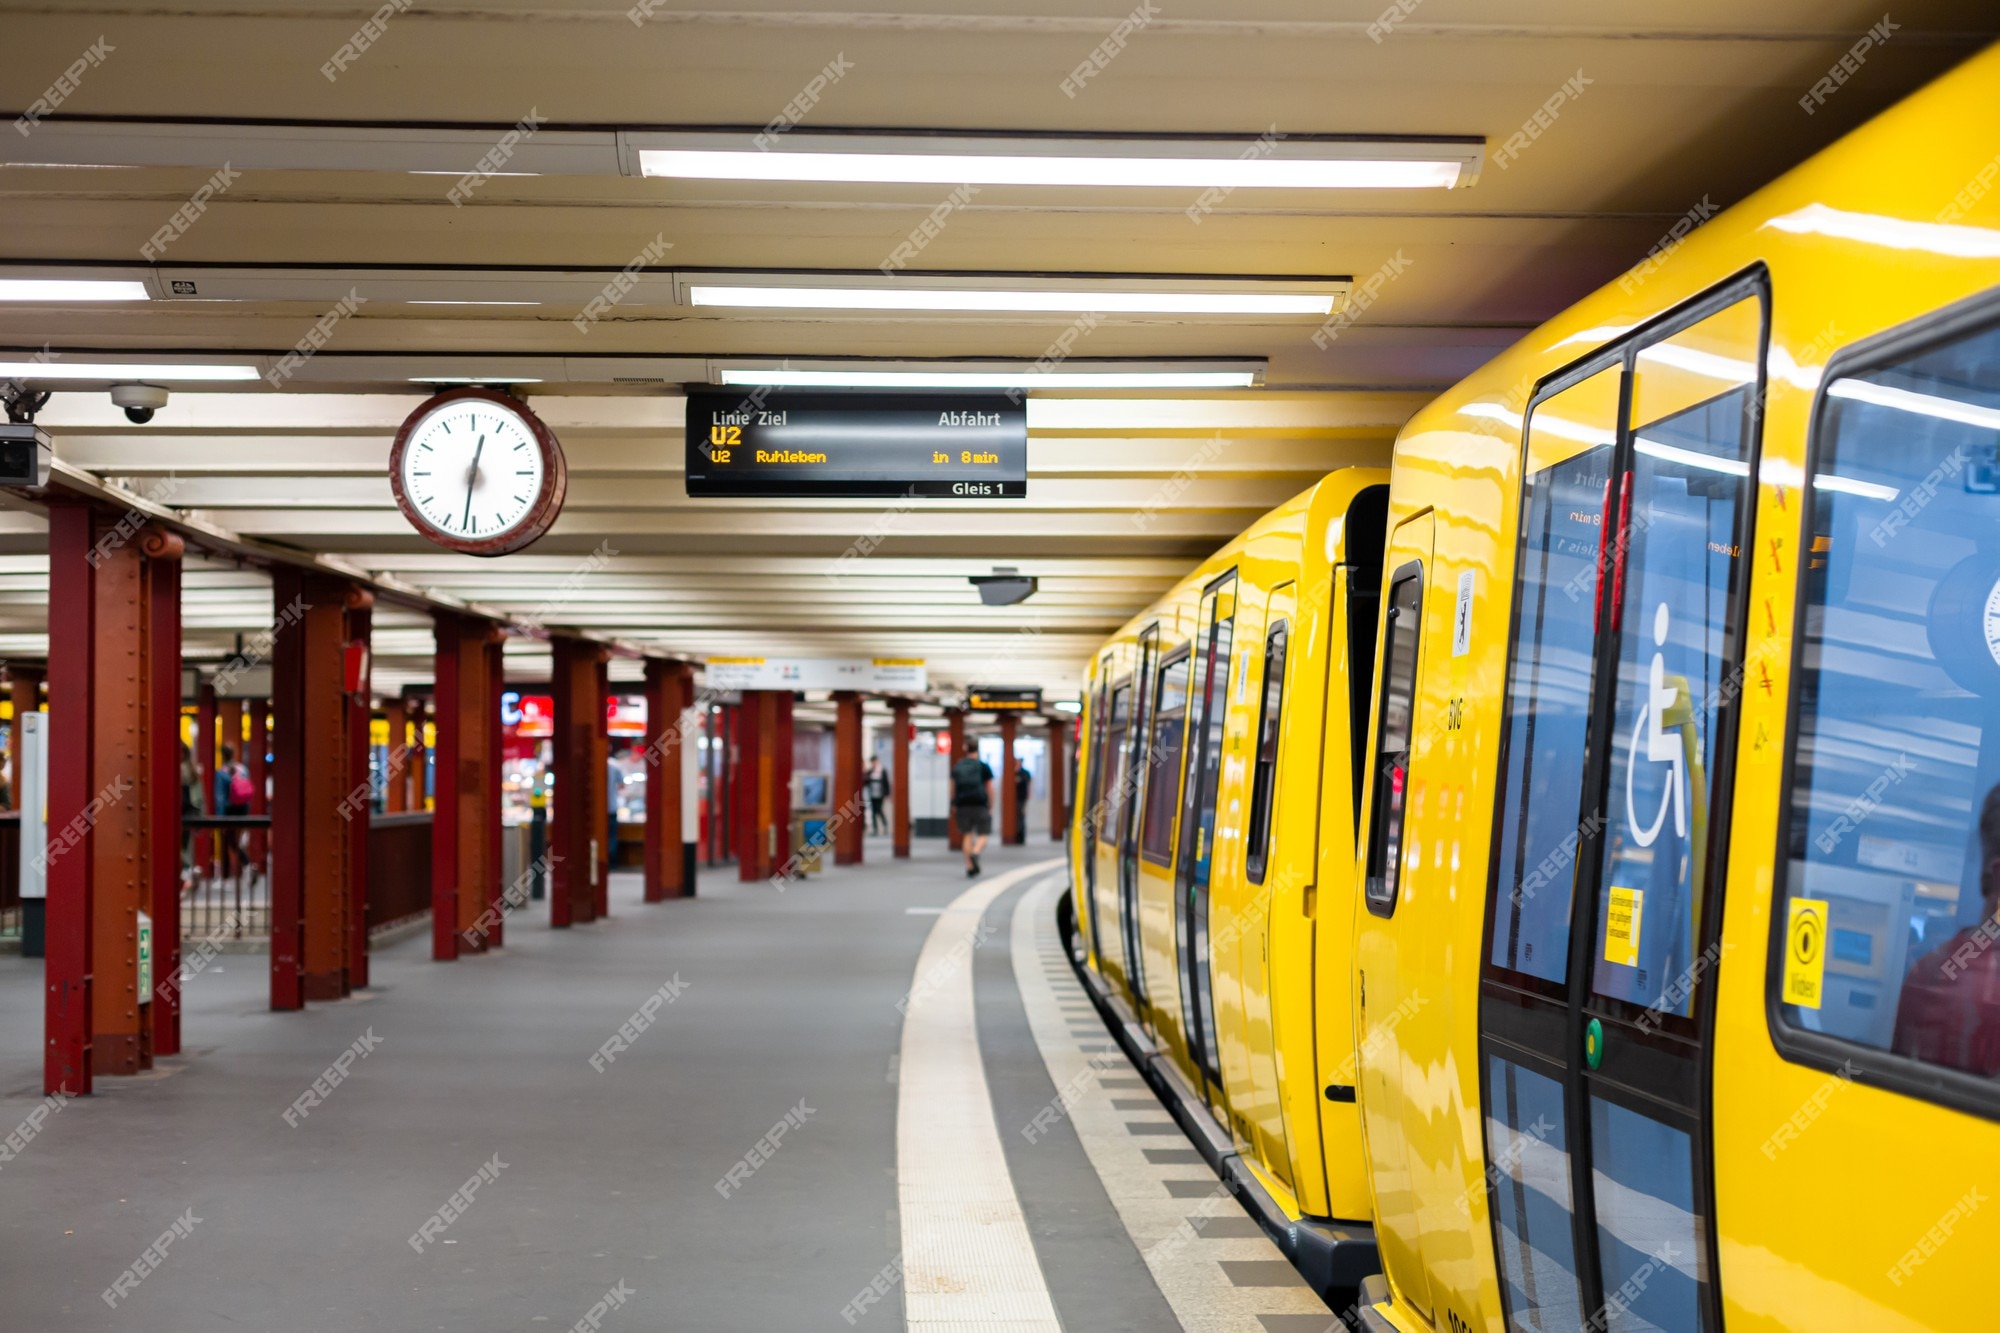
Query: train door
1169, 713
1138, 764
1105, 814
1277, 919
1389, 964
1208, 698
1093, 780
1604, 910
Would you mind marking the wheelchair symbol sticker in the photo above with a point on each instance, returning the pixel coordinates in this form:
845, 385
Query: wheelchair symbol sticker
1663, 743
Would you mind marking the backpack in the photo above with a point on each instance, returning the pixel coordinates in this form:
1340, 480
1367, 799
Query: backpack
239, 788
968, 781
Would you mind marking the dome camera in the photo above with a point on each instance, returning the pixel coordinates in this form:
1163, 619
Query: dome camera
140, 401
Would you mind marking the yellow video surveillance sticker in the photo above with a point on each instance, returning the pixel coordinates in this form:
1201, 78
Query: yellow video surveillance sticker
1805, 952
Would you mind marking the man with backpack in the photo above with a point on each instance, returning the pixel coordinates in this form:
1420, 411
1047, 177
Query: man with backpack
972, 806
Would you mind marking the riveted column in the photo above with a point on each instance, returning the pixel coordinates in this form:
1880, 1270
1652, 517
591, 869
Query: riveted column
205, 742
110, 748
358, 708
1058, 779
576, 809
418, 796
600, 749
257, 751
850, 814
669, 719
313, 792
163, 797
899, 778
465, 870
396, 760
1010, 801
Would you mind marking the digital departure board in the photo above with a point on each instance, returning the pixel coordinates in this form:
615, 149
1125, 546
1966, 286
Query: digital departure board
775, 442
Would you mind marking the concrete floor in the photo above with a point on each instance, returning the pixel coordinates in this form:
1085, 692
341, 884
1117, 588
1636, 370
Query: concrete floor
609, 1178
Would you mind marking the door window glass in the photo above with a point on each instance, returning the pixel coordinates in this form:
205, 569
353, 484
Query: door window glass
1264, 782
1675, 571
1570, 443
1208, 698
1649, 1247
1888, 934
1528, 1147
1392, 750
1156, 839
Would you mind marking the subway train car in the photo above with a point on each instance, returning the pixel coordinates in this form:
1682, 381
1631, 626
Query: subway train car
1670, 988
1197, 869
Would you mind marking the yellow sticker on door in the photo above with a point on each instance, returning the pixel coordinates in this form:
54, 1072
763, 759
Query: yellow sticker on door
1621, 925
1805, 952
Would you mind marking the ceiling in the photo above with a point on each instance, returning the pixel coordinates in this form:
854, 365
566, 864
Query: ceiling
1687, 104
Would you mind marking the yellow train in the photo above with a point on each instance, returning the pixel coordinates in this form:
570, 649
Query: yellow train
1568, 878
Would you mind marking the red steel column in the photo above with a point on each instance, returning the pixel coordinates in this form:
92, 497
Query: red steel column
204, 762
899, 777
163, 741
109, 748
955, 722
747, 800
849, 802
684, 818
395, 766
444, 790
1058, 777
419, 770
24, 689
360, 710
667, 718
66, 1049
601, 787
780, 752
496, 860
1010, 805
576, 810
257, 748
311, 907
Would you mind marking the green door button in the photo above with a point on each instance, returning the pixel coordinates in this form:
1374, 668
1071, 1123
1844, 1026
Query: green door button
1593, 1044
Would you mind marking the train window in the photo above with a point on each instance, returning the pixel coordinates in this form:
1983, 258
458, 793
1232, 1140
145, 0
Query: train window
1264, 781
1163, 759
1674, 599
1886, 935
1117, 744
1570, 442
1392, 749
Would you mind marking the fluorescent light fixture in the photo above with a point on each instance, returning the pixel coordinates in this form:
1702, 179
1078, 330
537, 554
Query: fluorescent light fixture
1079, 299
122, 371
1027, 377
71, 289
472, 379
472, 303
1171, 173
1296, 162
1907, 400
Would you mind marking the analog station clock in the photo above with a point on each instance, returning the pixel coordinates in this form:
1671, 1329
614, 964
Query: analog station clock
475, 471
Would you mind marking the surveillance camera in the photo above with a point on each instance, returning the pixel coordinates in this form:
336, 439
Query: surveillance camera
140, 401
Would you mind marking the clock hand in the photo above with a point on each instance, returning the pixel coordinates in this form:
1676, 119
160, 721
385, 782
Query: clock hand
472, 475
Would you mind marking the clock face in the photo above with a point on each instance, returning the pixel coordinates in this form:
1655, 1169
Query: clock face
475, 471
1992, 622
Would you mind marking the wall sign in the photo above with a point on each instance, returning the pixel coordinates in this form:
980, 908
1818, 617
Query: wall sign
887, 675
778, 443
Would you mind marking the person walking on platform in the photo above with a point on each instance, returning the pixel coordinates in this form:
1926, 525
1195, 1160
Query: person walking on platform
972, 804
876, 783
1024, 782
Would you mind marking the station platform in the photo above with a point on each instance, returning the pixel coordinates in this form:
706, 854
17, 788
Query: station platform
779, 1147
